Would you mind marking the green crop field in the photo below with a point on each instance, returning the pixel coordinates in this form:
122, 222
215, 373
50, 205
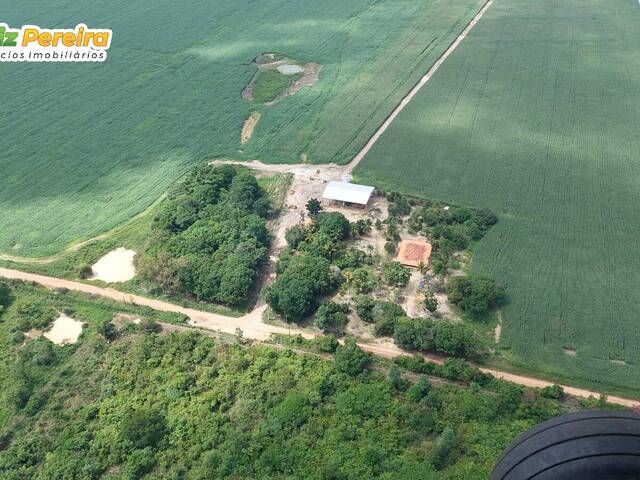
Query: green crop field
536, 116
85, 147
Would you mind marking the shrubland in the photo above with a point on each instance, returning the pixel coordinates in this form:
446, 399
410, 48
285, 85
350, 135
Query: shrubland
184, 405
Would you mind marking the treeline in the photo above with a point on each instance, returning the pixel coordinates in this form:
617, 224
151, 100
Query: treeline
424, 335
210, 239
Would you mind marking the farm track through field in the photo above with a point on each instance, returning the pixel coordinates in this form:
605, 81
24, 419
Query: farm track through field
414, 91
254, 328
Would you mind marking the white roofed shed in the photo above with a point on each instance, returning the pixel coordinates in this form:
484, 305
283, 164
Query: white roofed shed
348, 192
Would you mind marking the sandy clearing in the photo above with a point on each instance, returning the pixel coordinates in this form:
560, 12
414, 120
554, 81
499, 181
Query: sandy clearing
65, 330
289, 69
253, 328
248, 127
116, 266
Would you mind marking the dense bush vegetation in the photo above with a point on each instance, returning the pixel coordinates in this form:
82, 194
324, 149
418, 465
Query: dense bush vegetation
301, 280
446, 338
210, 238
332, 317
449, 229
304, 269
186, 406
381, 313
475, 294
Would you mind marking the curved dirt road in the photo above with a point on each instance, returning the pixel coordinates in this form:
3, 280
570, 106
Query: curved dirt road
253, 328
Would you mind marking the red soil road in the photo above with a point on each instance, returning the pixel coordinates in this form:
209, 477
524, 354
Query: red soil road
253, 328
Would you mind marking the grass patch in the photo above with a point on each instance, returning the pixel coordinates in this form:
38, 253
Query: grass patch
270, 85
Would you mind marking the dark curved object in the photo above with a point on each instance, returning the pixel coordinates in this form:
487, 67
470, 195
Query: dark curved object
595, 445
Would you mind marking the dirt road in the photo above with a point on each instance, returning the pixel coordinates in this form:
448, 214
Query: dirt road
253, 328
414, 91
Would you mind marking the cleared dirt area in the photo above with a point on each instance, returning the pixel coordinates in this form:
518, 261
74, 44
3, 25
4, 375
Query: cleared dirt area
248, 127
65, 331
310, 75
116, 266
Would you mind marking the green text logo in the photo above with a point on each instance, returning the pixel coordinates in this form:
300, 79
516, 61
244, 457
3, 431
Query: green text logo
8, 38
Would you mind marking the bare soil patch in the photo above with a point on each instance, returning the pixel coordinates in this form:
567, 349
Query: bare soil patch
249, 126
310, 76
115, 266
65, 330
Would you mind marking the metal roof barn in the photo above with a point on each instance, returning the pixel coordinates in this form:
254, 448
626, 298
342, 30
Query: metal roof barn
348, 192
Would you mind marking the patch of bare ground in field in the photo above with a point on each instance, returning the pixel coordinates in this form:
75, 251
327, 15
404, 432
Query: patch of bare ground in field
248, 127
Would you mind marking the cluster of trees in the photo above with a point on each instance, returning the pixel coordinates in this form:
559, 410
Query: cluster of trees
301, 281
446, 338
424, 335
5, 296
450, 229
332, 318
382, 314
304, 270
475, 294
210, 239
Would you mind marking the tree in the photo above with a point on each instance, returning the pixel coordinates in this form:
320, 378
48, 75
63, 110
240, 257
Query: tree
162, 270
475, 294
390, 247
364, 308
140, 462
395, 274
295, 235
361, 227
419, 390
363, 280
555, 392
335, 225
143, 428
108, 330
332, 317
430, 301
314, 207
84, 271
150, 326
395, 379
445, 447
301, 279
351, 359
5, 296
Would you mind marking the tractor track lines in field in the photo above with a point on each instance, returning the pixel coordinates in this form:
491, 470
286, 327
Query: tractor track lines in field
414, 91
